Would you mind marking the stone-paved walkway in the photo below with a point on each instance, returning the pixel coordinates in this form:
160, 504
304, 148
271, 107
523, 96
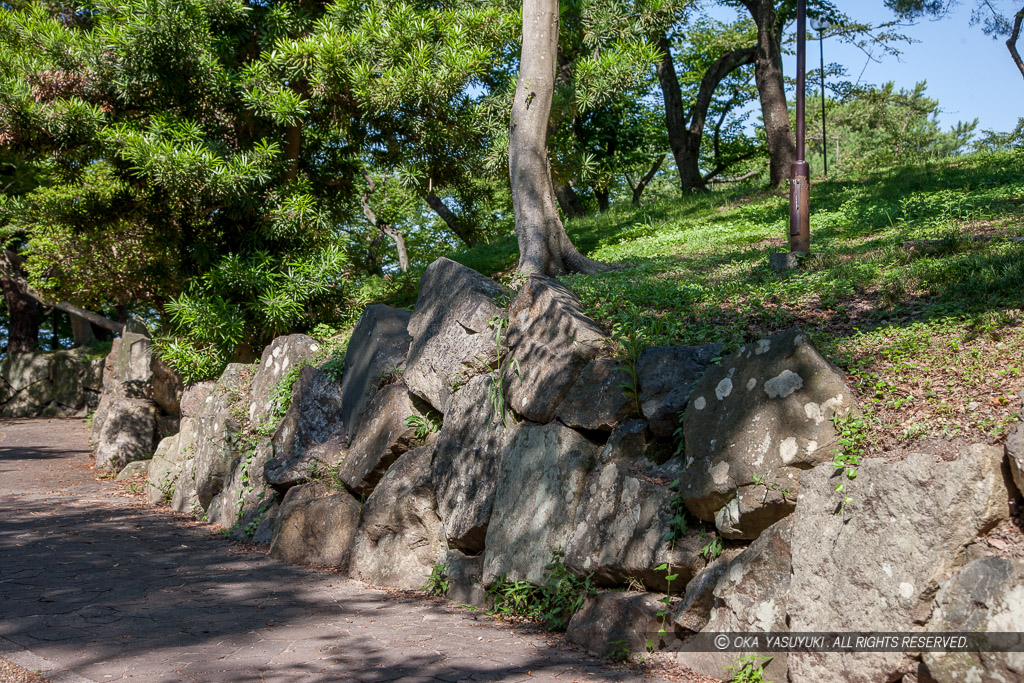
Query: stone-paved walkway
96, 588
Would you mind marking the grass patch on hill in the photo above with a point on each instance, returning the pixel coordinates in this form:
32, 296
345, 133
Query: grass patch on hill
915, 291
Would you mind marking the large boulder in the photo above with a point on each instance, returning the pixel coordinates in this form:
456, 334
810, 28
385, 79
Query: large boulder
279, 357
465, 574
127, 434
77, 381
452, 329
315, 526
552, 340
464, 471
667, 375
218, 428
379, 343
752, 424
541, 480
623, 525
27, 388
877, 563
399, 536
598, 400
383, 437
985, 597
245, 494
167, 388
617, 624
750, 595
311, 434
20, 370
166, 466
1015, 456
194, 396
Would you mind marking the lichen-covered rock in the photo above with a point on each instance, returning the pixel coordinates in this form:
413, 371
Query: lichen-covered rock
315, 526
283, 354
311, 434
541, 480
1015, 456
623, 524
765, 412
383, 437
77, 381
694, 611
127, 434
614, 624
166, 466
667, 375
985, 596
598, 399
217, 428
245, 490
194, 396
451, 328
465, 574
135, 468
751, 595
399, 536
465, 466
20, 370
877, 564
379, 343
552, 340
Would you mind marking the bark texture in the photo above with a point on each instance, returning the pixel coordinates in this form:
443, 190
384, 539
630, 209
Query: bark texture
771, 89
22, 308
1011, 42
544, 246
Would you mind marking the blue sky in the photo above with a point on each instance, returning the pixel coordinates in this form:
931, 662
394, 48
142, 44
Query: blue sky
969, 73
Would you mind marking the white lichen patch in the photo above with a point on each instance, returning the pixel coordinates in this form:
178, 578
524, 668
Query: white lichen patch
784, 384
699, 403
811, 447
723, 389
763, 346
788, 449
751, 383
906, 590
720, 473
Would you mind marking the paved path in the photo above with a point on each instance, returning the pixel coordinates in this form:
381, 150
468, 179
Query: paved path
95, 587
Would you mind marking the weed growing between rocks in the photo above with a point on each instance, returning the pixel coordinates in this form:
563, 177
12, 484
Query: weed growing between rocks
425, 425
853, 439
437, 581
747, 669
552, 604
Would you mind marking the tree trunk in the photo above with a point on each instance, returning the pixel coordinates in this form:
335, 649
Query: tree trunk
602, 199
772, 91
686, 128
81, 330
569, 201
544, 246
1011, 42
464, 232
22, 308
641, 184
292, 148
386, 228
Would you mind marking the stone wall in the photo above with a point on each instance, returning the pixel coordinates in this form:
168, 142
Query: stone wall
490, 428
61, 384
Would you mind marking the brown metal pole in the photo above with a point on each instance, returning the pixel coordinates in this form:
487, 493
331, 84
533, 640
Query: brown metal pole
799, 183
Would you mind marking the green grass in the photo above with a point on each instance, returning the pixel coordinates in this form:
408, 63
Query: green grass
932, 338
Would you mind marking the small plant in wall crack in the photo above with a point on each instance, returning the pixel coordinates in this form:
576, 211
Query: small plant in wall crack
630, 346
496, 375
747, 669
852, 445
553, 603
424, 425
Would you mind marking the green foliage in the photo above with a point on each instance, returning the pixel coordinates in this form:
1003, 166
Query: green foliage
747, 669
437, 581
424, 425
553, 604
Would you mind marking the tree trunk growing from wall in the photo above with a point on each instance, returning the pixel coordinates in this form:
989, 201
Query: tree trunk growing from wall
772, 90
544, 246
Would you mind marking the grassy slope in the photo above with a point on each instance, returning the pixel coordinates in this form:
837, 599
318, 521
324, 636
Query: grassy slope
932, 338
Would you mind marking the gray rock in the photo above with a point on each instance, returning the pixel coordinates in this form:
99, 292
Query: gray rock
766, 411
193, 397
465, 575
597, 400
135, 468
127, 434
465, 466
379, 343
612, 624
183, 494
383, 437
552, 340
694, 610
21, 370
245, 490
751, 595
1015, 456
217, 429
167, 387
310, 437
111, 389
877, 565
399, 536
71, 376
986, 595
32, 401
283, 354
541, 480
667, 375
133, 360
315, 526
623, 523
168, 460
452, 337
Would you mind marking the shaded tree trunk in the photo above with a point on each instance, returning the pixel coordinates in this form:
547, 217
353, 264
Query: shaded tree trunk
81, 330
602, 199
569, 201
22, 308
642, 183
457, 225
1011, 42
686, 128
382, 226
544, 246
771, 90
